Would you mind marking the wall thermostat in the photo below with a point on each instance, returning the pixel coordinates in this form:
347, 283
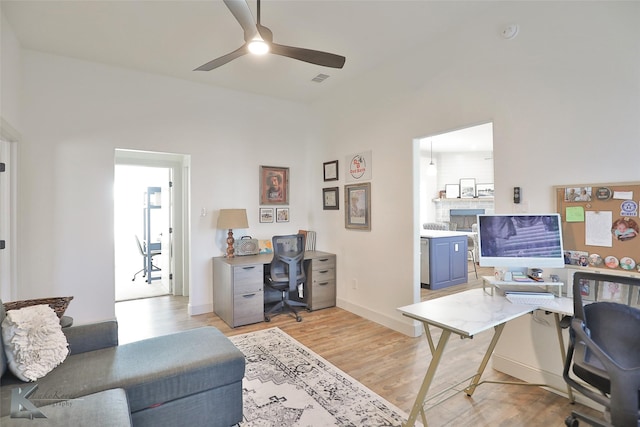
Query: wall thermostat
517, 195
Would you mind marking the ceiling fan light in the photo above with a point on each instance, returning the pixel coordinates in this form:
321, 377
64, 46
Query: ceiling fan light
257, 46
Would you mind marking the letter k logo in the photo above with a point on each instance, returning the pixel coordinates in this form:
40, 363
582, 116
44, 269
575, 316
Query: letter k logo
21, 406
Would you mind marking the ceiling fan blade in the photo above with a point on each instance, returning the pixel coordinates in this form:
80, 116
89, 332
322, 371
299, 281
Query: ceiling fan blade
218, 62
240, 10
307, 55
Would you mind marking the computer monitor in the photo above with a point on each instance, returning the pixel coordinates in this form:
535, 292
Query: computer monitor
520, 241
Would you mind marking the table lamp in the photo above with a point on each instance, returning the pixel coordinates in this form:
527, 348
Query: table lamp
230, 219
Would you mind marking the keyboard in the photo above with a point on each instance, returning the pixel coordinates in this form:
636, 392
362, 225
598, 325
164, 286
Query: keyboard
531, 298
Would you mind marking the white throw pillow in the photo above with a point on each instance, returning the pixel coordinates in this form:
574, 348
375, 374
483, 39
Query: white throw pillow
33, 341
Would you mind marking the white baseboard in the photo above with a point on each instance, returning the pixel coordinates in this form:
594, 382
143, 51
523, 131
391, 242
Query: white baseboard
529, 374
194, 310
413, 329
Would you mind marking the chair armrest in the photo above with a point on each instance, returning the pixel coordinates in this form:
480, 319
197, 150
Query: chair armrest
93, 336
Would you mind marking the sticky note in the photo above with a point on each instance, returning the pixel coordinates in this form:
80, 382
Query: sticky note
575, 214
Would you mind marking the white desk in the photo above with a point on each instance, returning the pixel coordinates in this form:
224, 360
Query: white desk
467, 314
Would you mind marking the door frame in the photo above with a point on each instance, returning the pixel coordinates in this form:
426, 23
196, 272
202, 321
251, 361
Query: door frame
180, 167
9, 139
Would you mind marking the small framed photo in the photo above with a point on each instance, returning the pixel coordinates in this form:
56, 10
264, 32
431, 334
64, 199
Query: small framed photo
614, 292
330, 198
330, 170
587, 289
467, 188
635, 297
357, 201
266, 214
282, 214
452, 191
484, 190
274, 185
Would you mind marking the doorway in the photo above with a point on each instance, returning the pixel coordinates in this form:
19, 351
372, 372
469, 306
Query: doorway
149, 196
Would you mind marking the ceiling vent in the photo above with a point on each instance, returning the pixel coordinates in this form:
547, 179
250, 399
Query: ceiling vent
320, 78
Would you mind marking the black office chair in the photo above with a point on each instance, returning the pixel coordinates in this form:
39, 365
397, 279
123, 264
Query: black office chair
145, 254
286, 272
604, 349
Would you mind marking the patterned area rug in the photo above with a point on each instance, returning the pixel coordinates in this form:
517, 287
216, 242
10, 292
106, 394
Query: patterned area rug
286, 384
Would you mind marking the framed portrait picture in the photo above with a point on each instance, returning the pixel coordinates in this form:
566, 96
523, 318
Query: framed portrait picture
452, 191
282, 214
330, 198
266, 214
330, 170
467, 188
484, 190
357, 202
274, 185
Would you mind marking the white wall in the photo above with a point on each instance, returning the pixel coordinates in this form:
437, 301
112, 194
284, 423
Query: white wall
563, 96
10, 74
77, 113
564, 99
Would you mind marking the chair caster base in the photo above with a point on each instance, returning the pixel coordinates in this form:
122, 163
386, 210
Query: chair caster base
571, 421
267, 319
298, 319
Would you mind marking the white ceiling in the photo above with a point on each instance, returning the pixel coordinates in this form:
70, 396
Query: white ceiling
474, 138
172, 38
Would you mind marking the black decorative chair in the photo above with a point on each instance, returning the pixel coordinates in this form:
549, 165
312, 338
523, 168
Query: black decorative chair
286, 273
604, 353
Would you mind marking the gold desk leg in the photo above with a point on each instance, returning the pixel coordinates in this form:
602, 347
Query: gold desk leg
563, 353
476, 379
428, 378
429, 338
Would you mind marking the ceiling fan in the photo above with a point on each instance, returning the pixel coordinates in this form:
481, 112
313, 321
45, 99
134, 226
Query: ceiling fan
259, 39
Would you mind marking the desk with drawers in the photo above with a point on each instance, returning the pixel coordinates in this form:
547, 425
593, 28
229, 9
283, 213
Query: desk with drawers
238, 285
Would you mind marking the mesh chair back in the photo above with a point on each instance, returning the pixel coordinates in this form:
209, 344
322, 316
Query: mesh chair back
288, 256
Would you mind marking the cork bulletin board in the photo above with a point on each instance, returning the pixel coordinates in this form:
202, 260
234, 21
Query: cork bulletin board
600, 225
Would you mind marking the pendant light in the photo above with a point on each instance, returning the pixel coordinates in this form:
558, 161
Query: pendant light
432, 170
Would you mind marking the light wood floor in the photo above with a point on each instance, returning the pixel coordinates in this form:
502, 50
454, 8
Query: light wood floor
388, 362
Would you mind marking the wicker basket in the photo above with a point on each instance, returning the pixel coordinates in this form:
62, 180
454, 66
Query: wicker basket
58, 304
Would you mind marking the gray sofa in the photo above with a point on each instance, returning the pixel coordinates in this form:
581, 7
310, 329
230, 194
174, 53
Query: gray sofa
189, 378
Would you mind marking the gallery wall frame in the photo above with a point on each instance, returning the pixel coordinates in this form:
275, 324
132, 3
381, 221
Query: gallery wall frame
282, 214
357, 202
274, 185
330, 198
330, 170
266, 215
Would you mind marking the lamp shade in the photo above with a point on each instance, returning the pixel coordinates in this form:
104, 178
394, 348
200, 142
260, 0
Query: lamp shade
233, 218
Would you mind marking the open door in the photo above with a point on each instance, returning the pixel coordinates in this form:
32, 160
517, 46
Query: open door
166, 238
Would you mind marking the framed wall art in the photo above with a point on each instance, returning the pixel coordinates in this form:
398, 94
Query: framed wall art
330, 170
357, 202
484, 190
266, 214
330, 198
274, 185
467, 188
452, 191
282, 214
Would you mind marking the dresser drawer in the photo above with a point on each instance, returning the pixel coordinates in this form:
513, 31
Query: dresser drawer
323, 275
323, 295
323, 263
248, 308
248, 278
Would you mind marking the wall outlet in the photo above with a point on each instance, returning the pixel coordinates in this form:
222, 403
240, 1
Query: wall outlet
354, 283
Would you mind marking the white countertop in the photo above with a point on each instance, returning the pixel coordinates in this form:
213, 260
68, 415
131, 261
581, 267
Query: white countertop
434, 234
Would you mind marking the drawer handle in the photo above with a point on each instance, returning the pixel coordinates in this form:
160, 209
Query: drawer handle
324, 260
323, 284
251, 267
248, 295
323, 271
